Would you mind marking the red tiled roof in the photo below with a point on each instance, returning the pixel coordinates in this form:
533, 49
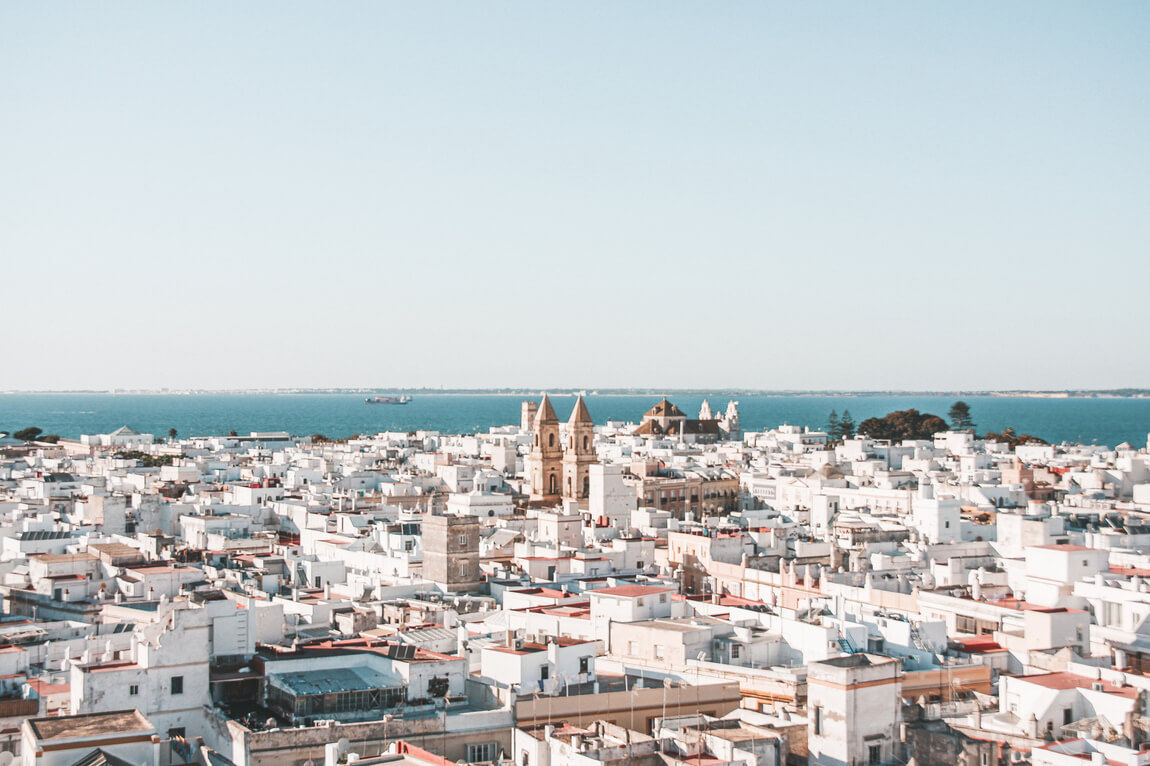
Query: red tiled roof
418, 753
1129, 571
630, 591
1071, 681
977, 644
738, 601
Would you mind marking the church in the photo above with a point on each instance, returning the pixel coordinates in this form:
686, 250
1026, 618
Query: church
667, 420
559, 467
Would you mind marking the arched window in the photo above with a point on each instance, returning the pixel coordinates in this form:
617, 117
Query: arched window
586, 486
550, 440
584, 443
552, 485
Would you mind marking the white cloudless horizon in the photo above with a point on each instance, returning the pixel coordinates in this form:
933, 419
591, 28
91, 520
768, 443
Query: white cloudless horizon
760, 195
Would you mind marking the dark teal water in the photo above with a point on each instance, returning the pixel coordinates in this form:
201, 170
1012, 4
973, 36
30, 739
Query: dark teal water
1102, 421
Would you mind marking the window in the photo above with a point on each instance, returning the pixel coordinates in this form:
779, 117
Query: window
1067, 716
133, 690
463, 569
875, 754
1111, 613
463, 541
480, 752
736, 650
662, 596
584, 664
408, 545
632, 648
545, 672
658, 651
818, 721
177, 684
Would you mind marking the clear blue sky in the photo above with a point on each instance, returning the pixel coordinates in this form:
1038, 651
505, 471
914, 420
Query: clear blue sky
771, 195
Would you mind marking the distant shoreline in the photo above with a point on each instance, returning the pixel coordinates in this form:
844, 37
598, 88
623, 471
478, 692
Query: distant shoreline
1121, 393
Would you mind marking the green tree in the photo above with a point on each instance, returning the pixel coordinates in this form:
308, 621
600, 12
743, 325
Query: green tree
833, 425
1011, 437
28, 434
846, 425
49, 438
902, 425
232, 433
960, 416
149, 461
173, 433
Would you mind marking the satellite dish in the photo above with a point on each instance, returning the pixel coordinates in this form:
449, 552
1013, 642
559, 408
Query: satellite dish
343, 744
6, 759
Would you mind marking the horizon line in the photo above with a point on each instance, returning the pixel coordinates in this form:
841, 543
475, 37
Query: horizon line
588, 390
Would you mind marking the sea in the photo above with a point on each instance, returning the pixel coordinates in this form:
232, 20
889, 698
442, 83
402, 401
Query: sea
1082, 420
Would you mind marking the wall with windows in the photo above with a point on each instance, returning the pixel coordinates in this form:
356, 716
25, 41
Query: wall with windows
168, 682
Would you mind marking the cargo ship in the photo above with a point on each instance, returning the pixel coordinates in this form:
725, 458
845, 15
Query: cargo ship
387, 399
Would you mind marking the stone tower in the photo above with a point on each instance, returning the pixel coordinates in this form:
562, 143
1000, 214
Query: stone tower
451, 553
545, 463
527, 415
578, 453
729, 423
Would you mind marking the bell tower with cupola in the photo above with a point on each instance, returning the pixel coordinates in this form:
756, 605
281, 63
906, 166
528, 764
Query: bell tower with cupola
545, 463
578, 453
